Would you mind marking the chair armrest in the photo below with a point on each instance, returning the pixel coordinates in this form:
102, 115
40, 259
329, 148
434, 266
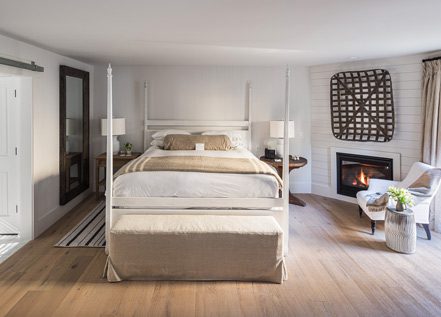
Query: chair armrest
380, 185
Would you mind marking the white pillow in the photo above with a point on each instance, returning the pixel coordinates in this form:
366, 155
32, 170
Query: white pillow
158, 143
163, 133
238, 138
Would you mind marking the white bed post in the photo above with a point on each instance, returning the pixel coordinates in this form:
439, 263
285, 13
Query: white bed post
146, 113
249, 113
285, 163
109, 165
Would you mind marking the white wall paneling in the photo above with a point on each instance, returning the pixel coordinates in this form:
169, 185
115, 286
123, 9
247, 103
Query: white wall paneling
406, 73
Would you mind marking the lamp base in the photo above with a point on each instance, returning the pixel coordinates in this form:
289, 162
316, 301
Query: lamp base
116, 145
279, 147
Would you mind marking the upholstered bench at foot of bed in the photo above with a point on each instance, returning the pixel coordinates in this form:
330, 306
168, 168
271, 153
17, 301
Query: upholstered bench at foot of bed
202, 247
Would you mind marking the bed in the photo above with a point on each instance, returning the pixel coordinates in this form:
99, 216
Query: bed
251, 192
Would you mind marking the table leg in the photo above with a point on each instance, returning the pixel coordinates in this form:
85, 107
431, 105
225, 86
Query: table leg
296, 200
293, 200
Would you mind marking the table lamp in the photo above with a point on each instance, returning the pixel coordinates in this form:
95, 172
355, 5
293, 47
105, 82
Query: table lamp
118, 128
277, 132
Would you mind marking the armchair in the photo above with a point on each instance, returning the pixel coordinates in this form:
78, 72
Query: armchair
422, 204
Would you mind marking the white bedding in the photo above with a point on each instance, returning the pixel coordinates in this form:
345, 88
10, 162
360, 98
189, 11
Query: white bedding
194, 184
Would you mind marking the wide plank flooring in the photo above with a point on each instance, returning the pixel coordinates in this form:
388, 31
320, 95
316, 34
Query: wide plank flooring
335, 267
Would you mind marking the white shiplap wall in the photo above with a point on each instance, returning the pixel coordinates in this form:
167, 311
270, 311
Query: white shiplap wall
406, 73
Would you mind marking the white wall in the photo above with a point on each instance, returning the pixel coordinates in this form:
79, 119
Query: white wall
45, 125
207, 93
406, 73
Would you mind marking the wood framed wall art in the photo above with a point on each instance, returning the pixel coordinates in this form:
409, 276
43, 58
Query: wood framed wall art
362, 106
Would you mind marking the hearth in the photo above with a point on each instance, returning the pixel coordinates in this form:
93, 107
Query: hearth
354, 172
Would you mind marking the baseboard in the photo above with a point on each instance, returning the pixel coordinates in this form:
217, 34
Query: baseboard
49, 218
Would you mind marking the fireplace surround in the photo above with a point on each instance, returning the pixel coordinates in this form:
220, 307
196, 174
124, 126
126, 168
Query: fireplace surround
355, 170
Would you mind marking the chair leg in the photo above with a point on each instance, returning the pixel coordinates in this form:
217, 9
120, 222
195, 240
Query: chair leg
360, 211
427, 229
373, 226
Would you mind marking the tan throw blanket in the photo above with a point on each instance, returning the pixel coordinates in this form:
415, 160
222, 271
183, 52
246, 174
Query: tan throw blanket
377, 202
199, 164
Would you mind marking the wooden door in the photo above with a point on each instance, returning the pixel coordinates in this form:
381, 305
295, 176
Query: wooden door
9, 178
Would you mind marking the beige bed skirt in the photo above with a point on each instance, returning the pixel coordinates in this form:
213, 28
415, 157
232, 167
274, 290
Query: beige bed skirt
202, 247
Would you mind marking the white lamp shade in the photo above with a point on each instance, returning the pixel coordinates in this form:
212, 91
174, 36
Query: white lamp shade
118, 126
277, 129
72, 126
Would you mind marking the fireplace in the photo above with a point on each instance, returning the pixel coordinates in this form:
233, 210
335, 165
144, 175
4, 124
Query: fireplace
354, 172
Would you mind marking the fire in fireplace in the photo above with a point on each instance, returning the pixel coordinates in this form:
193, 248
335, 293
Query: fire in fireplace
354, 172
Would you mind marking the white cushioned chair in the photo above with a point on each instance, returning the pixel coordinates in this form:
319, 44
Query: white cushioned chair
422, 204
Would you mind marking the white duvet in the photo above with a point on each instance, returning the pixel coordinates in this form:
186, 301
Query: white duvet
195, 184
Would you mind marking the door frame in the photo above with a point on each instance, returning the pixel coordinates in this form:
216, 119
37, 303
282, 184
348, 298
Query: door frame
26, 157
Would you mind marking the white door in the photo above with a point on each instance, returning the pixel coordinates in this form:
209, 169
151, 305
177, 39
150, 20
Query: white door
9, 178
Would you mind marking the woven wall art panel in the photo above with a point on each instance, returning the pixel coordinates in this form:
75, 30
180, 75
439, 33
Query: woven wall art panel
362, 106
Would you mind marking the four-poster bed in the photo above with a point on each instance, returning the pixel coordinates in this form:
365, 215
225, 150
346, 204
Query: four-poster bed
207, 211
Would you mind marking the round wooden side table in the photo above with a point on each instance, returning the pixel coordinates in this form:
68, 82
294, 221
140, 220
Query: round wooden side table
400, 230
293, 164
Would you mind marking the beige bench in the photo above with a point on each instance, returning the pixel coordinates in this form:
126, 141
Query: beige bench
201, 247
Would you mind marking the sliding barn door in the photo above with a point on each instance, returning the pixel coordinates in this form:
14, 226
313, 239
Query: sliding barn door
9, 183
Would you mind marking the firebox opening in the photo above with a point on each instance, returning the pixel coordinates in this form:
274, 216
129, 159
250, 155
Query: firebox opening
354, 172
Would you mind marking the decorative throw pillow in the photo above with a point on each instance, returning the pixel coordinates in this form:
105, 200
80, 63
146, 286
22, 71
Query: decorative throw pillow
158, 143
188, 142
238, 138
427, 183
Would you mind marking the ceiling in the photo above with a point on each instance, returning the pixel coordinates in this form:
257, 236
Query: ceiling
225, 32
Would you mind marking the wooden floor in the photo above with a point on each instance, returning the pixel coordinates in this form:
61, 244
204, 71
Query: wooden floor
336, 268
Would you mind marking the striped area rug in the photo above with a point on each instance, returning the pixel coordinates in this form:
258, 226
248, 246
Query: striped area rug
89, 233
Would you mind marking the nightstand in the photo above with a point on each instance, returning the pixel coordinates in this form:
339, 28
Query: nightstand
293, 164
118, 162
